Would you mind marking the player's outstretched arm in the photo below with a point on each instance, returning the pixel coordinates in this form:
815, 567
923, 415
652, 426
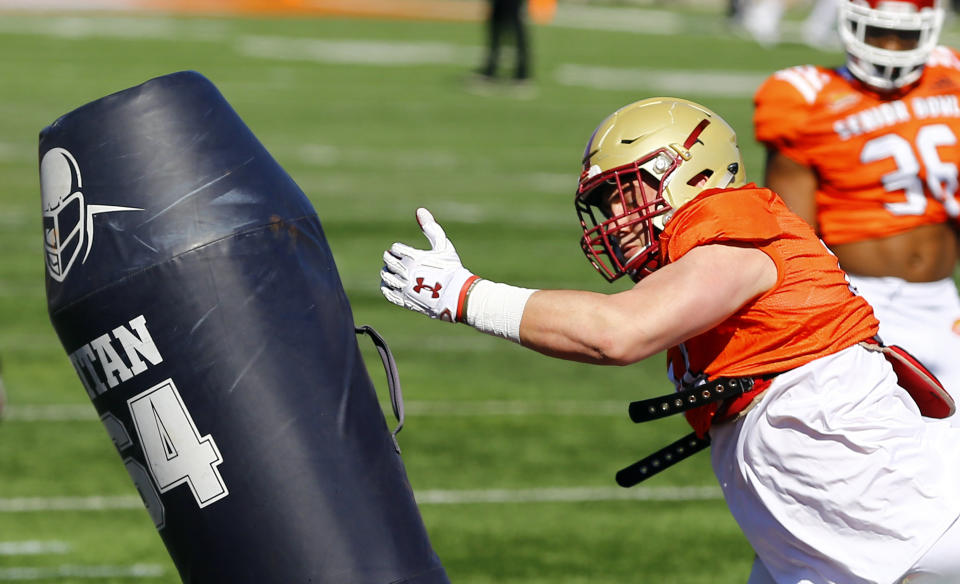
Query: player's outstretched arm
680, 300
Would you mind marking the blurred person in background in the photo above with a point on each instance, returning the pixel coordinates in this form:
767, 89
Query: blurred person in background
820, 26
762, 20
734, 8
867, 154
736, 288
506, 18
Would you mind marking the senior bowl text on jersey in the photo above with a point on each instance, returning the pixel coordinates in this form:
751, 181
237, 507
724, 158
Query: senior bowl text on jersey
901, 145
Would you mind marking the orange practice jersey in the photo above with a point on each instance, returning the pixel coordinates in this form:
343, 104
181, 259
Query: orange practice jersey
809, 313
884, 165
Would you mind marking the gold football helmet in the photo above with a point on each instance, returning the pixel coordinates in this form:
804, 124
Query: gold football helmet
641, 163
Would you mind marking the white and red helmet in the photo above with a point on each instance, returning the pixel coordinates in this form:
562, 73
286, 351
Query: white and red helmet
886, 69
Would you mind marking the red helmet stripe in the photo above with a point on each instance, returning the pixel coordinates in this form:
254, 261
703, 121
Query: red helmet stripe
692, 138
878, 4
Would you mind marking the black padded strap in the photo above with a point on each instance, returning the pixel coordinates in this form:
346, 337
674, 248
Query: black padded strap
666, 405
661, 459
393, 377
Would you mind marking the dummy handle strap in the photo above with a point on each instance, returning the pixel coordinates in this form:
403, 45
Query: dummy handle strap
393, 378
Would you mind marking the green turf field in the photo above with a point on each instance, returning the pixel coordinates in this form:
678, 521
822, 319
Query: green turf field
512, 454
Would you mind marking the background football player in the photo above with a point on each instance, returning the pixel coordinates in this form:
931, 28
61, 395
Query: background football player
867, 153
733, 285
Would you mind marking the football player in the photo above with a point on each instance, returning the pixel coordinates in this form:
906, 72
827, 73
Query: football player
825, 461
867, 154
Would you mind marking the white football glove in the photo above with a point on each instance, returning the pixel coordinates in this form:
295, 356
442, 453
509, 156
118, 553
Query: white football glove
433, 281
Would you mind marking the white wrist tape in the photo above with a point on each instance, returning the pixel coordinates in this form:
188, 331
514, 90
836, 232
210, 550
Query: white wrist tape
496, 309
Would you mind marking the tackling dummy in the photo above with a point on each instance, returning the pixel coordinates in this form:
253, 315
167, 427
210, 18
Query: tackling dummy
190, 282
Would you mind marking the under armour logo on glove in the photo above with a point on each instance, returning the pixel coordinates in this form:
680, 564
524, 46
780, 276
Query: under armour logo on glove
406, 269
435, 289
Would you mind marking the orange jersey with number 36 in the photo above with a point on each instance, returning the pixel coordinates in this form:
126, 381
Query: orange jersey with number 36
885, 165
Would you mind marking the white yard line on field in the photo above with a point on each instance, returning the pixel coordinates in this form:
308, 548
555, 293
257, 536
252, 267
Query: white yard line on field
567, 495
69, 4
517, 408
718, 83
113, 26
622, 19
399, 53
86, 412
26, 573
383, 53
423, 497
96, 503
10, 152
356, 51
33, 548
41, 20
49, 413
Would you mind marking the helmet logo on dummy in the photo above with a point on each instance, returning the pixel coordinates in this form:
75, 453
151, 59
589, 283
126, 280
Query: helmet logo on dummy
67, 220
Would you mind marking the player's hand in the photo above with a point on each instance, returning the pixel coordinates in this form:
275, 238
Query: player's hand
432, 281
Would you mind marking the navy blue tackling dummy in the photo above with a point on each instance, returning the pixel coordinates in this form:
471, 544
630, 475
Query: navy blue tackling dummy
190, 282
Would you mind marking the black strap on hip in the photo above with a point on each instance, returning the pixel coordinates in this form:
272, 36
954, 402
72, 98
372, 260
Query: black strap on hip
686, 399
661, 459
720, 389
